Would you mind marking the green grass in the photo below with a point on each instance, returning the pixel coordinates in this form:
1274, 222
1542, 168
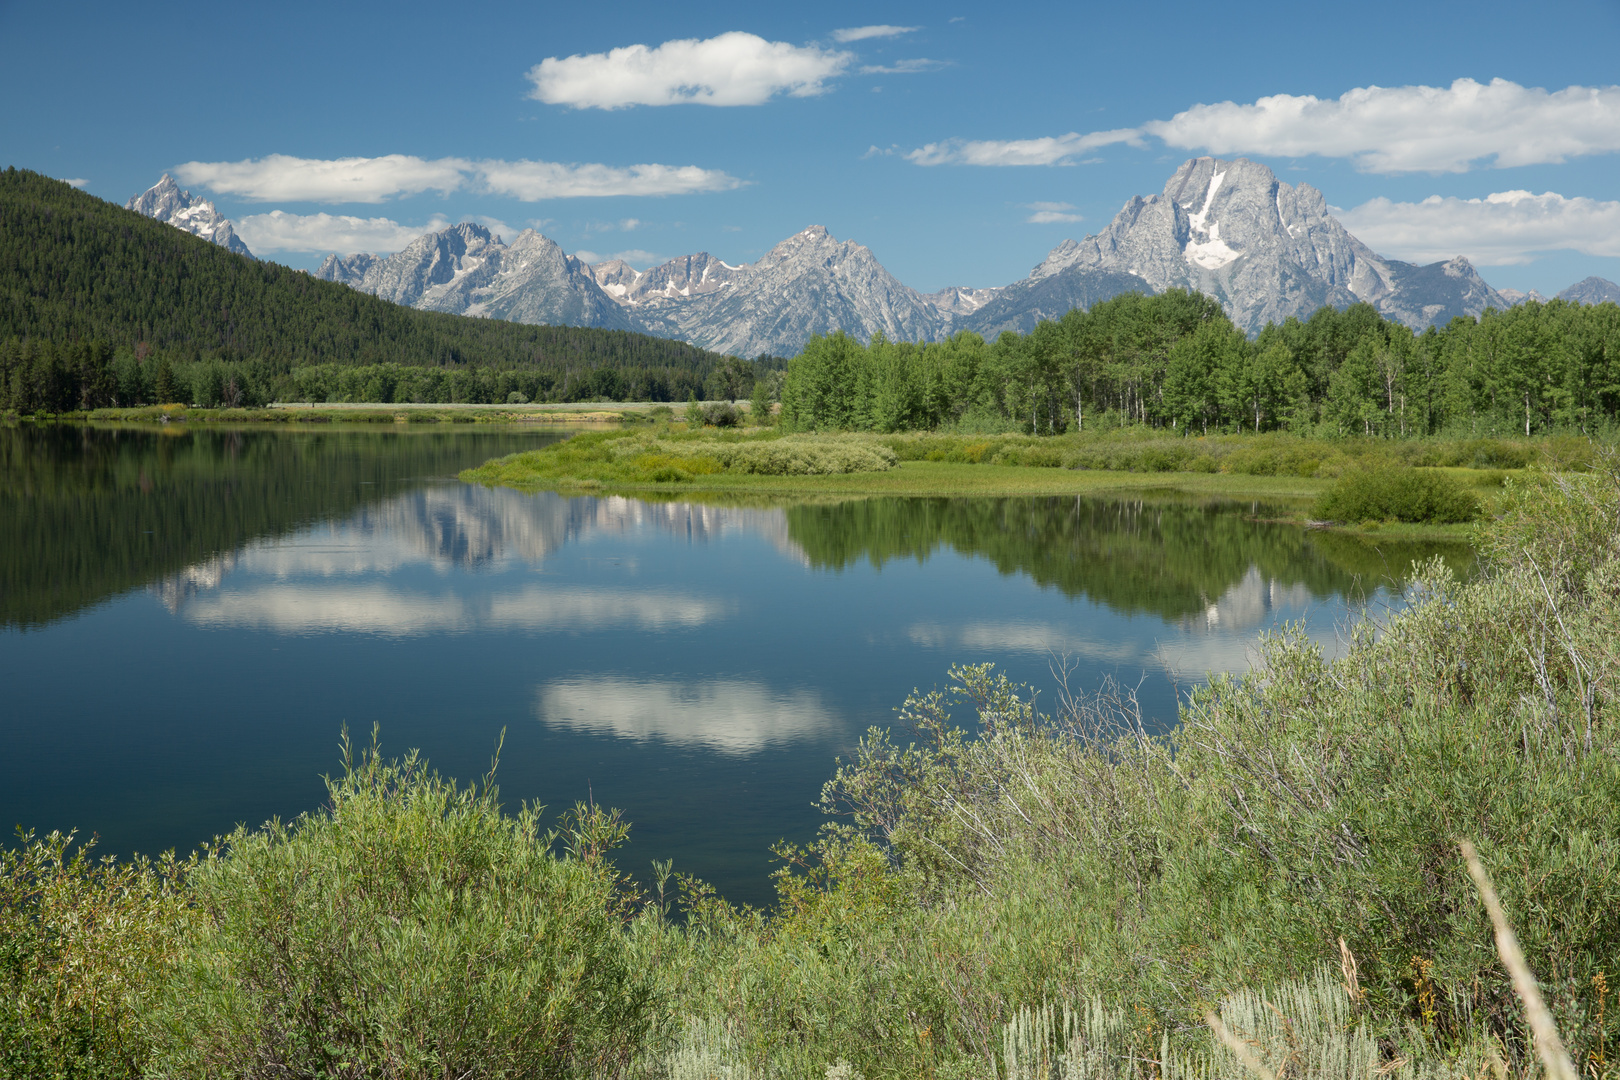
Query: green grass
1288, 473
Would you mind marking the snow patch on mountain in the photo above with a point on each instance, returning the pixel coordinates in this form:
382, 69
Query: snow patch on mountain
164, 201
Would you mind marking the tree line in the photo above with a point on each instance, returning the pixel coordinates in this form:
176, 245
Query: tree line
1175, 361
97, 300
56, 377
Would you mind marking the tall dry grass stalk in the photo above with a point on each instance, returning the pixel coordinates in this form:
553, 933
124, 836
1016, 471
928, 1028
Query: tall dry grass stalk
1549, 1046
1238, 1047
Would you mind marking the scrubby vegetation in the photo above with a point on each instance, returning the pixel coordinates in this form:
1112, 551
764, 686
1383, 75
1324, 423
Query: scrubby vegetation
1419, 496
1055, 893
677, 457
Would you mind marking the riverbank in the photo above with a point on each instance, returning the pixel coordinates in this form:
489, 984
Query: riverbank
1285, 473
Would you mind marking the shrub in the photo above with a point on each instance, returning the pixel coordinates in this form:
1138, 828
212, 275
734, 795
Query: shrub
805, 456
408, 929
1397, 494
84, 946
719, 414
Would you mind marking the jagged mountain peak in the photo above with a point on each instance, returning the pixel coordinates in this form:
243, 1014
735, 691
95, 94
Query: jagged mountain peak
165, 201
465, 269
1264, 248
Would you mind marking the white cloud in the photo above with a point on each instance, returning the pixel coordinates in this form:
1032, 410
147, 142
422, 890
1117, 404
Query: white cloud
75, 181
905, 67
1502, 229
630, 223
339, 180
532, 181
1052, 213
281, 231
862, 33
375, 180
1411, 128
1387, 130
1043, 151
734, 68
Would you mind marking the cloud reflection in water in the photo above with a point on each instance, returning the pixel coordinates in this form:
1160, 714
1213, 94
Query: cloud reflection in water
383, 609
732, 716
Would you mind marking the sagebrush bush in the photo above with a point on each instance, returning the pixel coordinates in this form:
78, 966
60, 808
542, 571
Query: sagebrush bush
1075, 856
409, 929
1419, 496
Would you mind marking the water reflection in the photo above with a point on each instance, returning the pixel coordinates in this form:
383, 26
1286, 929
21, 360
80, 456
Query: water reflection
732, 716
241, 596
396, 612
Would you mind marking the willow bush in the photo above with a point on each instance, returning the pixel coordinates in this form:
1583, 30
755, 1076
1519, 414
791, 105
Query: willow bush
409, 929
1419, 496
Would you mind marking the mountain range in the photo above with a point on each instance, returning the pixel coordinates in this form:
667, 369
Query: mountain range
1265, 249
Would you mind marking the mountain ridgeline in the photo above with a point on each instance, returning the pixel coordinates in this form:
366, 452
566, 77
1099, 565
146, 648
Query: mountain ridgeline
1265, 249
84, 283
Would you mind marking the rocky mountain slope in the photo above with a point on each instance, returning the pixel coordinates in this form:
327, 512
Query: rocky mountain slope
1593, 290
466, 270
167, 203
1265, 249
810, 283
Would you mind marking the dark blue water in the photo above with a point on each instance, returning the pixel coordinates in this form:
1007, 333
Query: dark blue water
191, 619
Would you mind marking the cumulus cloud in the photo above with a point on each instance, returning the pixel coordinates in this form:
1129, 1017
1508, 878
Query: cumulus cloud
1052, 213
281, 231
532, 181
1502, 229
1387, 130
375, 180
1044, 151
862, 33
75, 181
1411, 128
337, 180
734, 68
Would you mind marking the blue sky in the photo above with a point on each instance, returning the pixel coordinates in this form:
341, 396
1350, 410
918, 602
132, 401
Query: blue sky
959, 142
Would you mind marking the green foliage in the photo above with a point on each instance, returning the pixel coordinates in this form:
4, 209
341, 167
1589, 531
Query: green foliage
85, 945
408, 929
1174, 362
623, 457
759, 406
1420, 496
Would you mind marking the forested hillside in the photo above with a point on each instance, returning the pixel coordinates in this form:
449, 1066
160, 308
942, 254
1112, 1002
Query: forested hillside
86, 286
1176, 361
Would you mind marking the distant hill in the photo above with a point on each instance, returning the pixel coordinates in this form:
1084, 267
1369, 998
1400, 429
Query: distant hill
1593, 290
75, 268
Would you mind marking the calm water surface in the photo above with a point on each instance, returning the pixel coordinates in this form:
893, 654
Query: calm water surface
188, 619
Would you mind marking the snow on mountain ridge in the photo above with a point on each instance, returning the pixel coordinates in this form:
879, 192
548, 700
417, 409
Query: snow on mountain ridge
164, 201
